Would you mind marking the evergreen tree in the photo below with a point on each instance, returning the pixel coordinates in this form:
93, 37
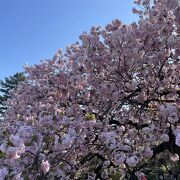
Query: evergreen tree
6, 86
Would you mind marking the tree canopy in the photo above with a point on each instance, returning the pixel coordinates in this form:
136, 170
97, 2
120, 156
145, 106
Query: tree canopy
108, 107
6, 86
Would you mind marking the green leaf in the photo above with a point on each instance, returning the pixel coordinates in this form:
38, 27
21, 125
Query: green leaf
2, 155
90, 117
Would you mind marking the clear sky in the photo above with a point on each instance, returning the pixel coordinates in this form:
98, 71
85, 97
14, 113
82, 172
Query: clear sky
32, 30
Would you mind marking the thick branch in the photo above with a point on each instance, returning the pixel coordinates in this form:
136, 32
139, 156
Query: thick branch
135, 125
160, 148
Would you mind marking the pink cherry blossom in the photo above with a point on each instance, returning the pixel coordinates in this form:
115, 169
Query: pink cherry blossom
45, 166
174, 157
132, 161
3, 172
165, 138
178, 139
12, 153
148, 152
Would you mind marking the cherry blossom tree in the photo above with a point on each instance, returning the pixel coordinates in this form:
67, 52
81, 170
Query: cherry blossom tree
108, 107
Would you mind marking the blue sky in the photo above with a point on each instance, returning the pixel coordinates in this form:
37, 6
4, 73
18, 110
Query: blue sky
32, 30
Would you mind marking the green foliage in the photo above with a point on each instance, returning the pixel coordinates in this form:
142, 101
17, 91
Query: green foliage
90, 117
6, 86
117, 176
2, 155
